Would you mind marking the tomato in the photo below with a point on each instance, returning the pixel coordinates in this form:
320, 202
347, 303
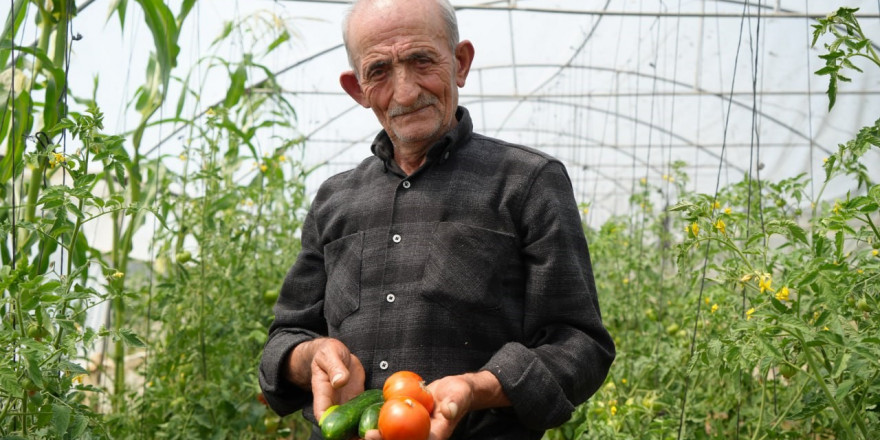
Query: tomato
408, 384
270, 296
183, 257
402, 418
787, 370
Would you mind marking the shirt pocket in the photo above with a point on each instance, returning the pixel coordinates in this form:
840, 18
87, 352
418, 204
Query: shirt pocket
342, 263
463, 266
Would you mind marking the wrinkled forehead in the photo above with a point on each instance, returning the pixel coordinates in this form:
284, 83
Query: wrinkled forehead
387, 22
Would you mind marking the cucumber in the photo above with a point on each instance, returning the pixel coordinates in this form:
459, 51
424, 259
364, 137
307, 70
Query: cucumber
369, 419
342, 424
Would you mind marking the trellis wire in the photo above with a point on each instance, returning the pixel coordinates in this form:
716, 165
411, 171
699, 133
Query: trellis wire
708, 242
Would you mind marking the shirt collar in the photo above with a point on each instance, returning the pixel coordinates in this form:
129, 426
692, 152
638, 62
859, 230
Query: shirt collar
441, 150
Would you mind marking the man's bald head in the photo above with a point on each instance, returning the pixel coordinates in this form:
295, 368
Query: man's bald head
444, 10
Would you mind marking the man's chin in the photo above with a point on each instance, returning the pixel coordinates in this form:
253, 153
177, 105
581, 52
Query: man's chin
414, 135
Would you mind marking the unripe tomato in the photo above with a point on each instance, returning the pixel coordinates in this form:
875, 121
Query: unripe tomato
787, 370
183, 257
270, 296
862, 304
402, 418
408, 384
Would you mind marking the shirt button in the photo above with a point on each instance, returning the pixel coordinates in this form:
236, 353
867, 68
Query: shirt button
389, 297
383, 365
396, 238
406, 184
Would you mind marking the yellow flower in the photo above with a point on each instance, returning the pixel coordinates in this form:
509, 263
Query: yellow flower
825, 328
643, 180
59, 158
749, 313
765, 283
263, 167
707, 300
720, 226
210, 112
836, 208
282, 158
746, 278
623, 381
613, 410
716, 205
586, 211
727, 210
875, 252
824, 160
714, 308
626, 281
665, 177
182, 156
118, 274
695, 229
671, 179
782, 295
78, 378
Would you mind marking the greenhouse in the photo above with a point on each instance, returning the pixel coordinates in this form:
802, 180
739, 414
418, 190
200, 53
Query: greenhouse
159, 160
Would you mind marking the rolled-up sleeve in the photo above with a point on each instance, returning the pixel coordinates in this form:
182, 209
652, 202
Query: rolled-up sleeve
298, 318
566, 351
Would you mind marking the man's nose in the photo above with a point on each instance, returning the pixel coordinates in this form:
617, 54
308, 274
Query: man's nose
406, 90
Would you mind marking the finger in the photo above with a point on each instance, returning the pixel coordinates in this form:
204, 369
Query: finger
449, 409
333, 361
373, 434
323, 394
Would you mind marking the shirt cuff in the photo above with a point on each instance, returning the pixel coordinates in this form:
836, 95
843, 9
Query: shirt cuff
537, 399
282, 396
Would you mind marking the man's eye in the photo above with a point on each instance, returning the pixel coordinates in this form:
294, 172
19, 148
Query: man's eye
375, 73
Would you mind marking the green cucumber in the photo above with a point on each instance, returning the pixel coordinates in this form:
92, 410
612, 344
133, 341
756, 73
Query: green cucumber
342, 424
369, 419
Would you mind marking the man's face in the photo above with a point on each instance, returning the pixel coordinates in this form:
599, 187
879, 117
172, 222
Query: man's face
407, 72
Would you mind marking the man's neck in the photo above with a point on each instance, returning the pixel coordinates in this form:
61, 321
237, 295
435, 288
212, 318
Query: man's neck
410, 157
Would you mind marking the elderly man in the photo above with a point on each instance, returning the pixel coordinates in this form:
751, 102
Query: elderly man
447, 253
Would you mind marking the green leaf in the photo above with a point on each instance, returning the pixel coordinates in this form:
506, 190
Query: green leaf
78, 426
236, 88
131, 339
164, 29
284, 37
60, 419
827, 70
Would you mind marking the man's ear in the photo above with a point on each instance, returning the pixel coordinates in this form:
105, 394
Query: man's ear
350, 84
464, 56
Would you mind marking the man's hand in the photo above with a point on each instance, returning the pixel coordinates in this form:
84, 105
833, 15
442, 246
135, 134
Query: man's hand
329, 369
455, 396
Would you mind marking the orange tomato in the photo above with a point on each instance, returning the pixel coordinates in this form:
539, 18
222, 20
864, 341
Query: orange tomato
408, 384
402, 418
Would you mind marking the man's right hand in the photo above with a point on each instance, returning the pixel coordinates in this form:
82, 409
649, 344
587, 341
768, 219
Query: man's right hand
328, 369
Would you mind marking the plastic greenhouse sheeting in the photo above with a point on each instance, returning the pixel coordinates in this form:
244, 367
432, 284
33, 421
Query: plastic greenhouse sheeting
618, 90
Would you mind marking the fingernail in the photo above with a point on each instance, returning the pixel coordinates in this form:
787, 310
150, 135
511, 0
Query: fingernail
335, 379
453, 410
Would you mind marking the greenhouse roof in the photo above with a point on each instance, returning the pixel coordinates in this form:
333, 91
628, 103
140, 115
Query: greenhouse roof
617, 90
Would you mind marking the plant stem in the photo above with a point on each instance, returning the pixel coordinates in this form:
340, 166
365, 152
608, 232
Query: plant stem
761, 410
814, 369
873, 226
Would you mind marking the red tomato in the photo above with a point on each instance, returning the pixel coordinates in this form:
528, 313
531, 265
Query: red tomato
402, 418
408, 384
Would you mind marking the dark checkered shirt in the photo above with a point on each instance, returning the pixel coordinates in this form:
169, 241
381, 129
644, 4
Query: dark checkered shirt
476, 261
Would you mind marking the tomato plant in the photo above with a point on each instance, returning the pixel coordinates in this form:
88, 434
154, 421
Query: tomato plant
408, 384
402, 418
